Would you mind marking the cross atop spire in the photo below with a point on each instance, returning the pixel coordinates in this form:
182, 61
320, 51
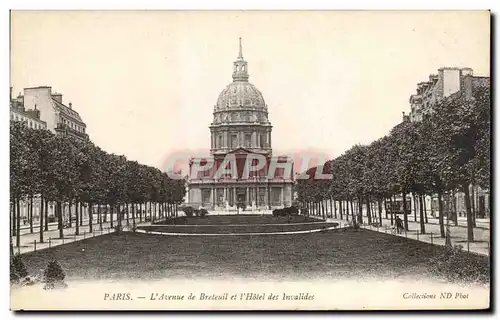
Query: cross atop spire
240, 55
240, 71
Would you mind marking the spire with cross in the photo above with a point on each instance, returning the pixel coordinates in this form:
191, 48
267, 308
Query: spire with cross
240, 71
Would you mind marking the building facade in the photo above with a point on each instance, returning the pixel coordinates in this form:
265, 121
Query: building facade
240, 130
449, 82
30, 117
56, 117
39, 108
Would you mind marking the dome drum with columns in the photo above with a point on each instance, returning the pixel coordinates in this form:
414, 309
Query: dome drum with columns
240, 126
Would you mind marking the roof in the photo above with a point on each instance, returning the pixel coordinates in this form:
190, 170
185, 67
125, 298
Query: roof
25, 113
68, 111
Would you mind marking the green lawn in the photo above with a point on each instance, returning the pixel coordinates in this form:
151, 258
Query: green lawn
328, 255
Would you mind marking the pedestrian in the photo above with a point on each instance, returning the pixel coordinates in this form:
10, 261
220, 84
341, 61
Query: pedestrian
399, 224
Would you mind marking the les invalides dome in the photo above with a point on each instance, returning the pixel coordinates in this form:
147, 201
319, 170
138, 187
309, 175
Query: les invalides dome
240, 115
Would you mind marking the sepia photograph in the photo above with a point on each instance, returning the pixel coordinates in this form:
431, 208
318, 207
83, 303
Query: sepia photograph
250, 160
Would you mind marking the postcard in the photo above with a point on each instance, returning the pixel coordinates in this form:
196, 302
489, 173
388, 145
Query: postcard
250, 160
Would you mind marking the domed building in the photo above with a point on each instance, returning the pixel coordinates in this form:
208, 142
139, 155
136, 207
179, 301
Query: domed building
240, 133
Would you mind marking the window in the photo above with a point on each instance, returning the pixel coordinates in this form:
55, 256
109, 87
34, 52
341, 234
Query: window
262, 196
206, 196
276, 196
234, 140
220, 196
248, 140
205, 173
219, 142
263, 140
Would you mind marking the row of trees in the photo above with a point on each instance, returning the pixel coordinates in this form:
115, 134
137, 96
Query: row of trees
447, 151
63, 170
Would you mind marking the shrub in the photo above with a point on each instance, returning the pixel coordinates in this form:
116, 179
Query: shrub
202, 212
19, 267
14, 277
459, 266
53, 276
188, 211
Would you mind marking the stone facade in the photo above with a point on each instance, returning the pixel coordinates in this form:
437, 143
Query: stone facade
240, 128
30, 117
448, 82
56, 116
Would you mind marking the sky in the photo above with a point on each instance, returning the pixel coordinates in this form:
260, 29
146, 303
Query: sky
146, 82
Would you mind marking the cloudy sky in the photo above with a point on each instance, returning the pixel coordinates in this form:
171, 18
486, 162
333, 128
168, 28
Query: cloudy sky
146, 82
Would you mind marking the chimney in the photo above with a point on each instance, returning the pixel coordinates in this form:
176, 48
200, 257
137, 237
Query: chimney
70, 105
57, 96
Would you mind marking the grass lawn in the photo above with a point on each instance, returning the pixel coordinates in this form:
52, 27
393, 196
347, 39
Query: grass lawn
237, 219
242, 229
327, 255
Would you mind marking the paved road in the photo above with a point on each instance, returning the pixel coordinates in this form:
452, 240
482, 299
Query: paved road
480, 245
30, 241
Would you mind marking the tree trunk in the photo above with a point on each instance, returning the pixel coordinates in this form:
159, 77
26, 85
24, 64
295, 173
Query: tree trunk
455, 213
353, 216
373, 210
448, 231
385, 208
13, 217
422, 219
91, 216
414, 206
69, 214
441, 214
41, 218
140, 212
46, 216
368, 211
470, 228
31, 214
99, 214
340, 210
133, 215
405, 214
392, 210
111, 212
18, 224
473, 207
77, 219
360, 210
347, 209
127, 206
379, 201
335, 208
60, 219
81, 214
425, 211
119, 218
